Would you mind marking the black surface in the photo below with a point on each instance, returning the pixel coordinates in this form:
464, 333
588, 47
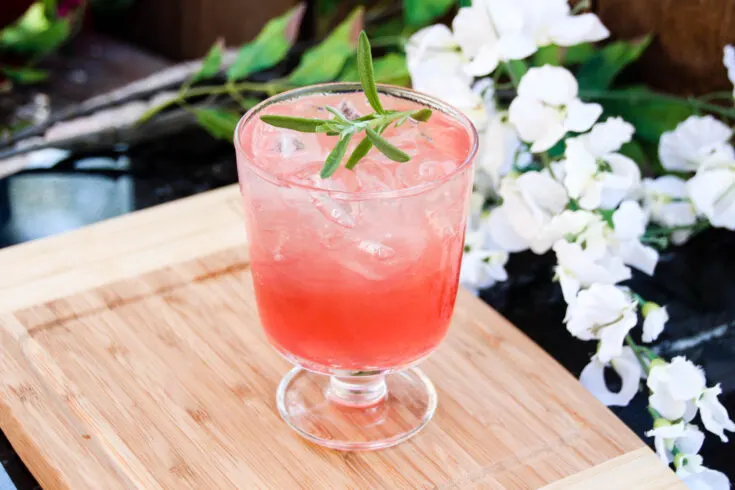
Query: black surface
696, 281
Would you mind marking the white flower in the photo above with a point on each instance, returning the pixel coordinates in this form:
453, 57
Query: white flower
602, 312
436, 63
655, 318
688, 464
714, 415
685, 437
547, 107
502, 232
694, 142
630, 222
551, 22
627, 367
490, 32
707, 479
594, 173
666, 200
580, 268
500, 149
583, 227
674, 388
607, 137
728, 59
530, 201
712, 191
483, 264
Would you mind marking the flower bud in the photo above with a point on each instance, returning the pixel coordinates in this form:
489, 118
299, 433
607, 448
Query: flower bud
650, 307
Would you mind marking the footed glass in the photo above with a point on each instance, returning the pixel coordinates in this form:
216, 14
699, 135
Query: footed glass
356, 275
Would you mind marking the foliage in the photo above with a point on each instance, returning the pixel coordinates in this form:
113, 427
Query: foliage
41, 30
564, 145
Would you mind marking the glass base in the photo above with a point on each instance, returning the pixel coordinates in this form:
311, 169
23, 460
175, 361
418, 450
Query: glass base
356, 413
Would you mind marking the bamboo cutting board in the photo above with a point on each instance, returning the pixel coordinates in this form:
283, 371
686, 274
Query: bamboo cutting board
132, 357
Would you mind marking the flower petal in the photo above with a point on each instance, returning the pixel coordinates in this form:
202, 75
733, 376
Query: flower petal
607, 137
688, 379
581, 116
502, 232
473, 29
516, 46
629, 370
692, 142
552, 85
654, 324
533, 120
713, 194
629, 221
668, 407
728, 59
484, 62
713, 413
577, 29
707, 480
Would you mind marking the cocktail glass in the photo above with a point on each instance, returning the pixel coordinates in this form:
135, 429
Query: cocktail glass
355, 276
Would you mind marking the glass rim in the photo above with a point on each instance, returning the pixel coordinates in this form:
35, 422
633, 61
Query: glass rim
337, 87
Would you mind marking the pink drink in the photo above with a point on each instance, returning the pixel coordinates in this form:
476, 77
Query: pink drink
359, 271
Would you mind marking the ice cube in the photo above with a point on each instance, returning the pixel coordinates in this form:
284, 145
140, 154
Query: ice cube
287, 145
419, 172
348, 109
376, 249
340, 212
373, 177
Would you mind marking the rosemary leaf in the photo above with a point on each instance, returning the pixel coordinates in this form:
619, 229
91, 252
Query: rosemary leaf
386, 148
335, 156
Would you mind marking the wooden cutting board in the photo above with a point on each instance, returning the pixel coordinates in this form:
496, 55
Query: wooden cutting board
132, 357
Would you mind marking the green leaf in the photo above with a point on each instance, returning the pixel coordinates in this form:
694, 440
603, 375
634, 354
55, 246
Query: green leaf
422, 115
419, 13
579, 53
211, 63
465, 3
651, 115
35, 34
391, 69
50, 8
335, 156
547, 55
386, 148
270, 47
516, 69
325, 61
600, 71
367, 76
359, 153
302, 124
24, 75
219, 123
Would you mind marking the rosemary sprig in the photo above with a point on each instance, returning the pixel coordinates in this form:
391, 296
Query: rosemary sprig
372, 125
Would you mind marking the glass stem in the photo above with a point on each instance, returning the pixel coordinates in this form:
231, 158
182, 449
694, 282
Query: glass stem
357, 391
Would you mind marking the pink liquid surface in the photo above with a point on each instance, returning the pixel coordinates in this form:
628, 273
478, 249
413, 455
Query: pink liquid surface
348, 282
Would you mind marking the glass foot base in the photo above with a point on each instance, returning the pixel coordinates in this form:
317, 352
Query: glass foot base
357, 413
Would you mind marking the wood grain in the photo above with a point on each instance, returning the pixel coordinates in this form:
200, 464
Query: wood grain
154, 373
686, 55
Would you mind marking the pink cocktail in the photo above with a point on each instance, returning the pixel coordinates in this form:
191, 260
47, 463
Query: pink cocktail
355, 275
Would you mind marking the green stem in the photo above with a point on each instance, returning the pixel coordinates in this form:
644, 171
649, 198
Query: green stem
269, 88
634, 96
637, 349
513, 79
716, 96
546, 160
